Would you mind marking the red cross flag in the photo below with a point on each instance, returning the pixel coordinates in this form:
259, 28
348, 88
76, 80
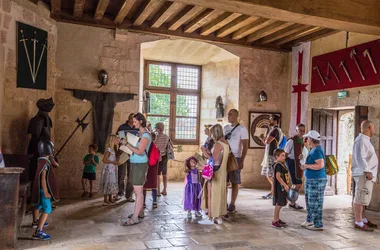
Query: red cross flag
300, 83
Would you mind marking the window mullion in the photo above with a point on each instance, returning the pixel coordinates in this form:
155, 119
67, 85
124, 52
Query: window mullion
173, 101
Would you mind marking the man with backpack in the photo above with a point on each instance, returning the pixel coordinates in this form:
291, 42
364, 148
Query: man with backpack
162, 143
294, 154
273, 140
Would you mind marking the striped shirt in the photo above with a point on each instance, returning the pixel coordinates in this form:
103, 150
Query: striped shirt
161, 142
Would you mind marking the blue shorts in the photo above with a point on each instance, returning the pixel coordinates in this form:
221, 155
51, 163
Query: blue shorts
45, 203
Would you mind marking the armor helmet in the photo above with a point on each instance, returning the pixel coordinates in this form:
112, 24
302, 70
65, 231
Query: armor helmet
45, 148
293, 195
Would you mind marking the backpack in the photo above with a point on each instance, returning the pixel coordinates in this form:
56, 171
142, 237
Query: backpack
282, 141
153, 155
331, 165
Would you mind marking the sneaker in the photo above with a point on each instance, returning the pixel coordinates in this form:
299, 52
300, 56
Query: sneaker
155, 205
282, 223
130, 199
231, 208
306, 224
218, 221
364, 228
198, 214
314, 228
295, 206
206, 222
267, 197
118, 197
277, 224
371, 225
40, 235
35, 224
189, 216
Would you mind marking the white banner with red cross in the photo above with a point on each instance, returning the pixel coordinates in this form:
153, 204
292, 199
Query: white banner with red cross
300, 83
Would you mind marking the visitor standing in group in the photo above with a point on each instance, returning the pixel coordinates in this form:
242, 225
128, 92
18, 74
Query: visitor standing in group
139, 166
125, 186
364, 172
271, 142
315, 184
294, 154
237, 137
162, 143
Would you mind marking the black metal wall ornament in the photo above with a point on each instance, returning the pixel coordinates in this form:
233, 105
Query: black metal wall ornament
32, 49
263, 97
81, 124
103, 78
219, 108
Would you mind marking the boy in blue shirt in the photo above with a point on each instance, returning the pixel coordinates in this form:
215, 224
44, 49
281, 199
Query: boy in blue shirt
91, 162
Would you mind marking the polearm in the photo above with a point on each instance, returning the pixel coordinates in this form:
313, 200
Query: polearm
80, 124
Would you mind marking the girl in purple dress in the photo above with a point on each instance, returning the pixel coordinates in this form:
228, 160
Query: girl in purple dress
192, 201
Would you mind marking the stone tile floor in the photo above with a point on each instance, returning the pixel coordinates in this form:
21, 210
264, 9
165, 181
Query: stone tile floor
86, 224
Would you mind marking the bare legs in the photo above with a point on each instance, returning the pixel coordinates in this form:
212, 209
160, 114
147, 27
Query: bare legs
234, 193
165, 181
359, 212
139, 201
276, 213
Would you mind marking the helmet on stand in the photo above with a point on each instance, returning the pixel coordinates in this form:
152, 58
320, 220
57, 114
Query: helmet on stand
293, 195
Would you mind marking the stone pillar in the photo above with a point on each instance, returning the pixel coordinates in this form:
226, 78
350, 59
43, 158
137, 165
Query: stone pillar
9, 193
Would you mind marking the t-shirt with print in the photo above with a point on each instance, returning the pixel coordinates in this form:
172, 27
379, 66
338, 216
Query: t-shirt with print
135, 158
240, 133
90, 167
274, 143
315, 154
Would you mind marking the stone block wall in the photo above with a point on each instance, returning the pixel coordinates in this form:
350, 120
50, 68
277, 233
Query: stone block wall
18, 105
366, 96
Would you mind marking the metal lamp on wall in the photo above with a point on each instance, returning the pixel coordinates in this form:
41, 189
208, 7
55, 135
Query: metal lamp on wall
263, 97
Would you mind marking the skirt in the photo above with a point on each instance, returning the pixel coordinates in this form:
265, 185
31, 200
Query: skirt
138, 173
191, 199
108, 181
151, 178
268, 169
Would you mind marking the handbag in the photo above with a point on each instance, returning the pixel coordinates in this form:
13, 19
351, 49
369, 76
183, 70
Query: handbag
332, 167
232, 163
208, 170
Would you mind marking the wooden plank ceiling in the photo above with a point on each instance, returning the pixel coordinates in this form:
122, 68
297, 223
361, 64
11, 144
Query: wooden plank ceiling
180, 19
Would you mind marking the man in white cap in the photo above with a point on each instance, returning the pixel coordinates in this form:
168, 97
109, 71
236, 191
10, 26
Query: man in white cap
364, 172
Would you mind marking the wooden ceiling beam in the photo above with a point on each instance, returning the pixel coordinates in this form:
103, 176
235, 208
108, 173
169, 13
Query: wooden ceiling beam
282, 33
185, 15
55, 6
164, 31
78, 8
149, 8
270, 29
238, 23
360, 16
306, 31
311, 37
161, 18
218, 23
201, 20
124, 10
101, 9
253, 27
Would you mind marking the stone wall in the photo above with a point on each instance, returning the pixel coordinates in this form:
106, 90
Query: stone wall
18, 105
219, 79
366, 96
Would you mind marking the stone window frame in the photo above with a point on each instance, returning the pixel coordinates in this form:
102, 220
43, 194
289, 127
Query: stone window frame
174, 91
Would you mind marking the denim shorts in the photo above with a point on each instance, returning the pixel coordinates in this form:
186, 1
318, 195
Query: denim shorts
45, 204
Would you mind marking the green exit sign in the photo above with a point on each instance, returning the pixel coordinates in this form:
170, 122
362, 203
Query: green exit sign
342, 94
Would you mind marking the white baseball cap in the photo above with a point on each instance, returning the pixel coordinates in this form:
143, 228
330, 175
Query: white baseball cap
313, 135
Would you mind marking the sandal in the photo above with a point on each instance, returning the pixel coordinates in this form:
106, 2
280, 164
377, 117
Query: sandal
164, 193
141, 216
130, 222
